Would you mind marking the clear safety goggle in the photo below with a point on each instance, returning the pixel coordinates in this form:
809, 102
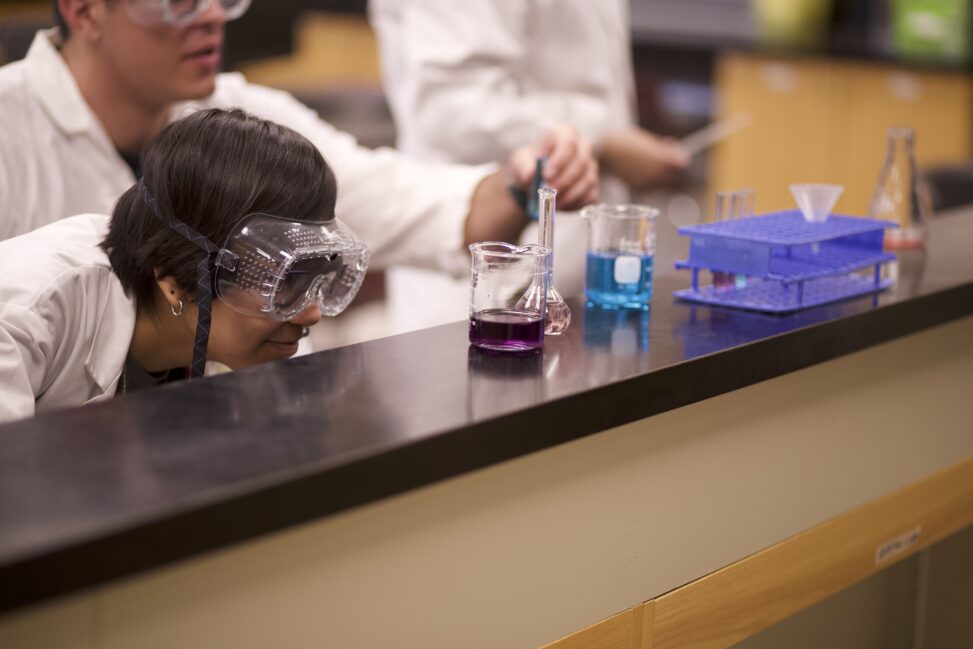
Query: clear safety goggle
271, 267
275, 268
179, 13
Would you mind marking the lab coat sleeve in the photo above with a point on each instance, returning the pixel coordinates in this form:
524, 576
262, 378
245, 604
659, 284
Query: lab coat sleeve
458, 81
24, 337
406, 211
7, 228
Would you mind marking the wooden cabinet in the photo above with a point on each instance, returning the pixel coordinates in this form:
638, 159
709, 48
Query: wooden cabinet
825, 120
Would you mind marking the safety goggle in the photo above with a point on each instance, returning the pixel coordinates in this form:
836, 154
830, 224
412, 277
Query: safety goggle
275, 267
179, 13
272, 267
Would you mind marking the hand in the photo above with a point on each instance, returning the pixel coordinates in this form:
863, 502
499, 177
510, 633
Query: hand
642, 159
571, 167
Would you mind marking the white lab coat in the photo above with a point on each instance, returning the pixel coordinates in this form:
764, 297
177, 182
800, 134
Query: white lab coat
56, 160
469, 82
65, 321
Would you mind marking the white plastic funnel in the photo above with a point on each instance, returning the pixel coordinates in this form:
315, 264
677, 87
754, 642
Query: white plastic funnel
816, 200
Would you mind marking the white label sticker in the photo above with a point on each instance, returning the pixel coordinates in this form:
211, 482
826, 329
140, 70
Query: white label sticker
897, 546
627, 269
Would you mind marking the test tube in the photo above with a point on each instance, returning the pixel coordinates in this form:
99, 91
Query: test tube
749, 200
558, 313
736, 206
725, 204
720, 201
745, 209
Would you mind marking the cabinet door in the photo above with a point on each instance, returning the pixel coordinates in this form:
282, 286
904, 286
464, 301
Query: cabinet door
939, 106
826, 121
791, 104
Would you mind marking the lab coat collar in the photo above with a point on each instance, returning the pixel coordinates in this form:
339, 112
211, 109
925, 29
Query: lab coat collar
55, 87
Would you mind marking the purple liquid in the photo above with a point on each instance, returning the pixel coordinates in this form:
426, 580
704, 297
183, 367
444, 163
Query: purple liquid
506, 330
723, 281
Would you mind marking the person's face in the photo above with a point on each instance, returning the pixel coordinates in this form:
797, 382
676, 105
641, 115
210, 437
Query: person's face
162, 64
239, 341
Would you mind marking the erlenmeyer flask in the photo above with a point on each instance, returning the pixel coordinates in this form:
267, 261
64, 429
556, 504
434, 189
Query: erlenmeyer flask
899, 196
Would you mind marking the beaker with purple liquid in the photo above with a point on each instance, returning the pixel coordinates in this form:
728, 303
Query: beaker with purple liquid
508, 290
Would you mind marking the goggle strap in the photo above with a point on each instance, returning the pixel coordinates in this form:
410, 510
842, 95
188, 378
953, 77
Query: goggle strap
226, 259
204, 292
176, 224
204, 302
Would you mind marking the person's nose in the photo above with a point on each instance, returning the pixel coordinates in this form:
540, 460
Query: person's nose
309, 316
215, 14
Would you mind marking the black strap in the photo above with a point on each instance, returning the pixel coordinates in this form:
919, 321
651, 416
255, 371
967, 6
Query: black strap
204, 290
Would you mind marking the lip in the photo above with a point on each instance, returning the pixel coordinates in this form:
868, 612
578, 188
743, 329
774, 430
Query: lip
207, 55
285, 342
290, 348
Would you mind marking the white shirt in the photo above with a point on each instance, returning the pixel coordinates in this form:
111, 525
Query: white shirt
65, 321
56, 160
469, 82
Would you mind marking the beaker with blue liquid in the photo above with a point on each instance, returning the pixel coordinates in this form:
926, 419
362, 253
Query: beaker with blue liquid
621, 249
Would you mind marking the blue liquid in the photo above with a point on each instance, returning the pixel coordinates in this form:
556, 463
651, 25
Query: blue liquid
601, 287
618, 330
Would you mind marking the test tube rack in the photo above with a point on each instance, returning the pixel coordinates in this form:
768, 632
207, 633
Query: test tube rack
781, 262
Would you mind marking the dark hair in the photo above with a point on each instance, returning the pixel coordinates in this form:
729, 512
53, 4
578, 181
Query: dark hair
209, 170
60, 23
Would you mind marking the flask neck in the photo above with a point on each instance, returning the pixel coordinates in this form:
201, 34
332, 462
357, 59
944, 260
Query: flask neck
546, 209
900, 150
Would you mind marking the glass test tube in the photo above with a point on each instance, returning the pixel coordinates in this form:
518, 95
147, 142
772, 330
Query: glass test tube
558, 314
725, 204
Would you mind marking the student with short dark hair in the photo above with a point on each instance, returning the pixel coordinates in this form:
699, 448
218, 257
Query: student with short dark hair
230, 207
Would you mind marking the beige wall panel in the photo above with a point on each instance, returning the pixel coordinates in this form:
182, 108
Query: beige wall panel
63, 624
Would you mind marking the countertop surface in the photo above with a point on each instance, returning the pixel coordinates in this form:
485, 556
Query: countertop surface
96, 493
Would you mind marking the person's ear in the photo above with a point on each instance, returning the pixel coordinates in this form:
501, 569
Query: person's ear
83, 17
175, 295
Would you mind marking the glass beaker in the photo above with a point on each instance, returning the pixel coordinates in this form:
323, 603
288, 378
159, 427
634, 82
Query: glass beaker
621, 246
899, 196
508, 290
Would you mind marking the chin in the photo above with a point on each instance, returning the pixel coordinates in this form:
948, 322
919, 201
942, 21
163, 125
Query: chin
201, 89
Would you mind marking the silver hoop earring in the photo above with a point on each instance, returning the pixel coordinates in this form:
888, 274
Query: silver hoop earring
179, 312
